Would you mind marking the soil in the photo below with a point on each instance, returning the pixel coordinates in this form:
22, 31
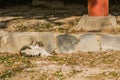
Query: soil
75, 66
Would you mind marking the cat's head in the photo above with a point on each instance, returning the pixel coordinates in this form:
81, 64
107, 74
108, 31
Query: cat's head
40, 44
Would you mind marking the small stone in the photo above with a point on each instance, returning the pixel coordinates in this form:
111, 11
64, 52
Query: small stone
66, 43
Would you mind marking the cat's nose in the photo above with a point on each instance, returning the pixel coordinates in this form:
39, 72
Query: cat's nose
39, 54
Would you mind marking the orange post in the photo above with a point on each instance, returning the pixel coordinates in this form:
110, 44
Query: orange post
98, 7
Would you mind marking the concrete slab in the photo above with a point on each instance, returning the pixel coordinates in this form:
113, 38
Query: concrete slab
110, 42
89, 43
66, 43
13, 42
89, 23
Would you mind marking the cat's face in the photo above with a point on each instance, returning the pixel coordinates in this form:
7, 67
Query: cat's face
40, 44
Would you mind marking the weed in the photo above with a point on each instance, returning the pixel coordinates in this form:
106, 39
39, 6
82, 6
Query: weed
11, 72
59, 74
58, 23
114, 74
102, 76
58, 59
74, 72
43, 76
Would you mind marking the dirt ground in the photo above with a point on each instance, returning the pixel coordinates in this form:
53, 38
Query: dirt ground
53, 17
75, 66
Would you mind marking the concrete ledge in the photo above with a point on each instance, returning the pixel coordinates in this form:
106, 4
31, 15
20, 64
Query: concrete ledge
59, 43
89, 23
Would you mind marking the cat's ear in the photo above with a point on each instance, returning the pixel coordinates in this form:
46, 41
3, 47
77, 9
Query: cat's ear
33, 42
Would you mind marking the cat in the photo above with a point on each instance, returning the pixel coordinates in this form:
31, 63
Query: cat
34, 50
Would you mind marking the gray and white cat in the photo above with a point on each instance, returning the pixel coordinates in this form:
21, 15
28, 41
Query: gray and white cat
34, 50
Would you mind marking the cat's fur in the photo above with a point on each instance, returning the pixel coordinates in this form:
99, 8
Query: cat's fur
34, 50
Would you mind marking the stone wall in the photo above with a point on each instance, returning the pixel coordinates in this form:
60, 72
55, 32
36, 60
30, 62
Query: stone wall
58, 42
